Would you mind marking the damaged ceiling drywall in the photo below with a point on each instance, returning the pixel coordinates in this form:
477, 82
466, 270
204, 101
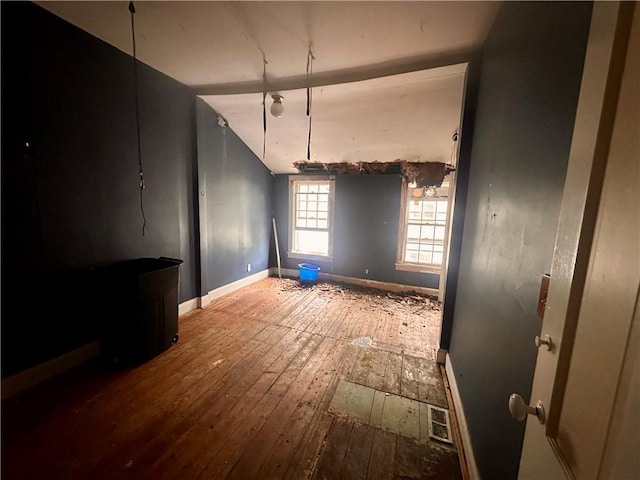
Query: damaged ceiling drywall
409, 117
423, 174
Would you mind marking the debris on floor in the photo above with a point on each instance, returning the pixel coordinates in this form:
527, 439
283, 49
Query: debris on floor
379, 297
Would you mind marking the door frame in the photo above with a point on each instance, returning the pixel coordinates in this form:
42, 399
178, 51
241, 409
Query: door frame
603, 67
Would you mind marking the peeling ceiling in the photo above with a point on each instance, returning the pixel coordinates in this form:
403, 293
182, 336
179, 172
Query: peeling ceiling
388, 76
409, 117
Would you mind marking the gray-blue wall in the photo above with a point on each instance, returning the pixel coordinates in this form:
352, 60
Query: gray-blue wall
71, 202
235, 204
366, 223
530, 78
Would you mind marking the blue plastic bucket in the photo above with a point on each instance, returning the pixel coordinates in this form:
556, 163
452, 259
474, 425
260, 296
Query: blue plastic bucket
308, 272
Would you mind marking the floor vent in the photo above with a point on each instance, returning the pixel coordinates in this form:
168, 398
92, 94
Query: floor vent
439, 425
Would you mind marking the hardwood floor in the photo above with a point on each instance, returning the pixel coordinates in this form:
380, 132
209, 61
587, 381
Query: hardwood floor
245, 394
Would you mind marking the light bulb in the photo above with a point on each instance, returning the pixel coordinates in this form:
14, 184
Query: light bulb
277, 109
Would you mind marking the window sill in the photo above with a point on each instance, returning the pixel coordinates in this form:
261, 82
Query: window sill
309, 256
410, 267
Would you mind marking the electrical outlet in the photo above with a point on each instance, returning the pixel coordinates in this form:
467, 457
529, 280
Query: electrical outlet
366, 271
248, 267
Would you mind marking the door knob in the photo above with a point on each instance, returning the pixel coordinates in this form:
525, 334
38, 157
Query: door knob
519, 409
546, 341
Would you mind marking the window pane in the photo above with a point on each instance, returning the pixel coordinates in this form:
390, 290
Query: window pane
410, 247
428, 216
427, 232
411, 256
313, 242
415, 217
311, 209
424, 258
413, 232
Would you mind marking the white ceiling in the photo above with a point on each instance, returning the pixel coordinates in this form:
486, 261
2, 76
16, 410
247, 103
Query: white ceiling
387, 75
409, 116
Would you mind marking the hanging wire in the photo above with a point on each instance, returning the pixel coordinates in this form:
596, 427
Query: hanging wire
264, 106
308, 75
454, 140
132, 9
310, 59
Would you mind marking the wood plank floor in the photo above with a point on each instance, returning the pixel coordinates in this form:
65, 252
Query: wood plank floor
244, 394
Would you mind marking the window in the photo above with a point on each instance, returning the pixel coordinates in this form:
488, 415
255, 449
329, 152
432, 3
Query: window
423, 230
311, 225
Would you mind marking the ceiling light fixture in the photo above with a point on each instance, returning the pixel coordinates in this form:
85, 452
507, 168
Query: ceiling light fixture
277, 109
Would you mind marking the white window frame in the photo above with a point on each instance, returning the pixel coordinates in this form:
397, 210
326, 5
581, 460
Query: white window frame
296, 179
401, 264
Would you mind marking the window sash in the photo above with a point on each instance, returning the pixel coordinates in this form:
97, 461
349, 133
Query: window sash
311, 205
427, 217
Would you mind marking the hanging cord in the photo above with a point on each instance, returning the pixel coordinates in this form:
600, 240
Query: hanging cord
454, 144
310, 59
132, 9
264, 106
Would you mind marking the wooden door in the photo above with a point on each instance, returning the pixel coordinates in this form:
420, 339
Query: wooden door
588, 381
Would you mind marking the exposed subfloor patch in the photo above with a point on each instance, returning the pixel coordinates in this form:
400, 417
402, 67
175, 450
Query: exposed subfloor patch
355, 450
379, 368
365, 342
393, 413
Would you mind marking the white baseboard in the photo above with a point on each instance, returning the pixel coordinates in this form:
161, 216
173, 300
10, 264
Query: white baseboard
441, 356
186, 307
231, 287
49, 369
286, 272
388, 286
28, 378
472, 468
